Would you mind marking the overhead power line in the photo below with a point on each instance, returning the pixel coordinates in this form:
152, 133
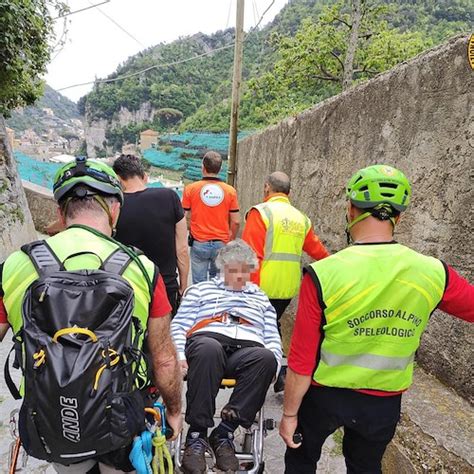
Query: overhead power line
118, 25
163, 65
142, 71
263, 14
228, 15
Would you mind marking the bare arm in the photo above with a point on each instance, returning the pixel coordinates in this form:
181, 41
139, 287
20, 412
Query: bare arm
4, 327
187, 216
295, 388
182, 254
166, 370
234, 221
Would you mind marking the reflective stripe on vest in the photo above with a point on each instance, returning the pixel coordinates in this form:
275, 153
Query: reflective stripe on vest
378, 300
367, 361
287, 227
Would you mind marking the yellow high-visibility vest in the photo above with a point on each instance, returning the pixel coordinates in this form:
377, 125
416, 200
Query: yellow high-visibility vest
287, 227
19, 272
377, 301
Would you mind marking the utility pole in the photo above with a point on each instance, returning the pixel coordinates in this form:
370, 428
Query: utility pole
237, 80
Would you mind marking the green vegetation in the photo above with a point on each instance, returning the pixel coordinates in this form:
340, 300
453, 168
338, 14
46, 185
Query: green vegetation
26, 27
311, 65
36, 118
291, 64
118, 136
156, 172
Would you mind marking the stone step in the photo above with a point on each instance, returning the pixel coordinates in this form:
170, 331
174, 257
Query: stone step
435, 433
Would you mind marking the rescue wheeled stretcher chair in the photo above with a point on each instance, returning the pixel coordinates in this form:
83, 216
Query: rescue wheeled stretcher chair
249, 443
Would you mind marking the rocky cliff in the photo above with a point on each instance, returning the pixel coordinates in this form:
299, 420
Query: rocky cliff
95, 130
16, 225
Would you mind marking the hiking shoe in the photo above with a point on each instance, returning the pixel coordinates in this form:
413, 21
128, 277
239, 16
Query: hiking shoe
224, 450
194, 460
279, 385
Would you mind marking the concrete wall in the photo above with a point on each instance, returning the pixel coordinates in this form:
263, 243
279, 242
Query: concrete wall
16, 225
42, 205
418, 117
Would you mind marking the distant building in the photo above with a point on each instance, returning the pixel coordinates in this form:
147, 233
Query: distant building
29, 137
148, 139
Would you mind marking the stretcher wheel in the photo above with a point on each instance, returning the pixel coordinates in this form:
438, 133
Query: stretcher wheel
261, 468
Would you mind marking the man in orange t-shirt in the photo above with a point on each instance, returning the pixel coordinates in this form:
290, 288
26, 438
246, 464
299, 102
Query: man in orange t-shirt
215, 218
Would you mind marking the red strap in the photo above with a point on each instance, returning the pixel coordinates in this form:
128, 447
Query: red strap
220, 318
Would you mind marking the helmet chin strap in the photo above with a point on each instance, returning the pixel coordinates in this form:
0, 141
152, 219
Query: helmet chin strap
104, 206
382, 212
101, 201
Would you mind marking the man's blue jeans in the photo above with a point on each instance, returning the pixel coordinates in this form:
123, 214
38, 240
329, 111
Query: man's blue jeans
203, 258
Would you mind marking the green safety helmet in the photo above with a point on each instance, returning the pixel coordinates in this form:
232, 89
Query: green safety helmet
379, 185
95, 177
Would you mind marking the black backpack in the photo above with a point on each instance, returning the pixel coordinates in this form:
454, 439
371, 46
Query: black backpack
80, 359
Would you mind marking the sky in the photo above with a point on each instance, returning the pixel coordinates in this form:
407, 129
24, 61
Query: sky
96, 42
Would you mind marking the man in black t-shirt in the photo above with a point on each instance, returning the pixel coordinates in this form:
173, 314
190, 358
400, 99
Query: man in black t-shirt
152, 219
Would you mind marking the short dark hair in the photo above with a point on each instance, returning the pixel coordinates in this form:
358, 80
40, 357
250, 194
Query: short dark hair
71, 208
279, 182
212, 162
129, 166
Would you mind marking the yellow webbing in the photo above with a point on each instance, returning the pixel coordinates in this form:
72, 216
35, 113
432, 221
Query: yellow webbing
66, 331
39, 357
162, 455
115, 358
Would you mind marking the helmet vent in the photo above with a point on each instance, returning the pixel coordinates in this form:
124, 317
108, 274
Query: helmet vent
389, 185
364, 188
389, 195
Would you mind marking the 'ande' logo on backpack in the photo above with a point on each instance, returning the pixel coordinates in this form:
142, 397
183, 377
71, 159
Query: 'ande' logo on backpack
70, 419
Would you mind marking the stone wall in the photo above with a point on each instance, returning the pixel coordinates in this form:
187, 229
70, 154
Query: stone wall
42, 205
16, 225
418, 117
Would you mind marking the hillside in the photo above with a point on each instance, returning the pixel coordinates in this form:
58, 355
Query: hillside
195, 95
57, 116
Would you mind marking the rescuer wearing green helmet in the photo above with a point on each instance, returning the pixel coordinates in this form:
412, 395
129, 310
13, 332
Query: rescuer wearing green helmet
360, 316
89, 197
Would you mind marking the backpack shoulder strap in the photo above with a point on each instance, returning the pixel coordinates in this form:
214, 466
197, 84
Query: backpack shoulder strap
117, 262
17, 364
43, 258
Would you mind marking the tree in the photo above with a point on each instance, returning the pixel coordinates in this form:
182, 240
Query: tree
168, 117
347, 44
26, 28
348, 67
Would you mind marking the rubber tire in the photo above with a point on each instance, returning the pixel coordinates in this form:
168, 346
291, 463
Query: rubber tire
261, 468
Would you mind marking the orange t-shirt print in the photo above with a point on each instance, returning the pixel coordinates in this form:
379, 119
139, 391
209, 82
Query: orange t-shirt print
210, 202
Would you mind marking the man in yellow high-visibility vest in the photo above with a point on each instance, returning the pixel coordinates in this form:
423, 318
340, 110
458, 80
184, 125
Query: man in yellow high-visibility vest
279, 233
360, 317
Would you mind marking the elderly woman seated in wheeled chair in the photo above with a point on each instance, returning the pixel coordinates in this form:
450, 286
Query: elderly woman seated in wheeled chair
225, 328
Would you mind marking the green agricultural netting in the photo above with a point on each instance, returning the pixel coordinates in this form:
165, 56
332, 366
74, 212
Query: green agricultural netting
208, 141
183, 154
173, 160
36, 172
42, 173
